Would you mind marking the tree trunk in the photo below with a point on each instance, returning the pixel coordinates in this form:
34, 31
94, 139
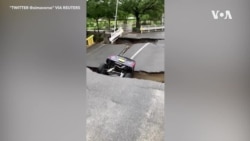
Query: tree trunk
97, 24
125, 21
138, 21
109, 24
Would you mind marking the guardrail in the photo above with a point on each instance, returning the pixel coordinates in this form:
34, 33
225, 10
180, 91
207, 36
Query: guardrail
115, 35
90, 41
148, 28
102, 30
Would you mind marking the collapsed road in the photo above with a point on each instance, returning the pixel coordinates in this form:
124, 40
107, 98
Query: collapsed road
123, 109
146, 49
149, 57
126, 109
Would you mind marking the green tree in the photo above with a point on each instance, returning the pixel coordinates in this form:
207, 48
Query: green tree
95, 10
141, 7
109, 10
123, 15
157, 14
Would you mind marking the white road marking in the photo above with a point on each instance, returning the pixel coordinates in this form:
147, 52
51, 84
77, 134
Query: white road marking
132, 57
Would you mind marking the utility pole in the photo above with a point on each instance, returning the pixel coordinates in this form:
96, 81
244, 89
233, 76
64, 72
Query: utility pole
116, 15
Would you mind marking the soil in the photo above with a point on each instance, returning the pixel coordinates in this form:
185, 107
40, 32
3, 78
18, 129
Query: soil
159, 77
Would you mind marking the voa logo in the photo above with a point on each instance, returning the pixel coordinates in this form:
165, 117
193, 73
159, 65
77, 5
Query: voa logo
224, 15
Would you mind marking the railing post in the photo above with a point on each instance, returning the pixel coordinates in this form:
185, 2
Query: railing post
141, 29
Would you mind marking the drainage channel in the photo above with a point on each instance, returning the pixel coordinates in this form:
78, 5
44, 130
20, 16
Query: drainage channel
153, 76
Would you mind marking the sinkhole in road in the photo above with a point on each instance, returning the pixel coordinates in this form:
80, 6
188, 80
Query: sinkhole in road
131, 41
153, 76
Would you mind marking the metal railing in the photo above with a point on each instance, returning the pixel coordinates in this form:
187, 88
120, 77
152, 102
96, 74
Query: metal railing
115, 35
148, 28
90, 41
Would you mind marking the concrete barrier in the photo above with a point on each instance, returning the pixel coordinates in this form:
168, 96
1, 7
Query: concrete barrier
90, 41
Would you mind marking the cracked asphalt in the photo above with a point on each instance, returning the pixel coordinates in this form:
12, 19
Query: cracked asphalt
123, 109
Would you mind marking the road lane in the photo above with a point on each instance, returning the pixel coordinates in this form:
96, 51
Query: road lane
137, 52
94, 48
150, 58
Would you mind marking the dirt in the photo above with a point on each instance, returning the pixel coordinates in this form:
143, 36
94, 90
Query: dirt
159, 77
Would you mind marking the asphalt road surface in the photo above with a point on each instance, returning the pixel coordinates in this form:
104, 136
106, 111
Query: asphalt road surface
149, 57
161, 43
124, 109
99, 53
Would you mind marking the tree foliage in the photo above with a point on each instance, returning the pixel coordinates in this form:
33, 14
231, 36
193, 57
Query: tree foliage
142, 7
109, 10
95, 10
152, 9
